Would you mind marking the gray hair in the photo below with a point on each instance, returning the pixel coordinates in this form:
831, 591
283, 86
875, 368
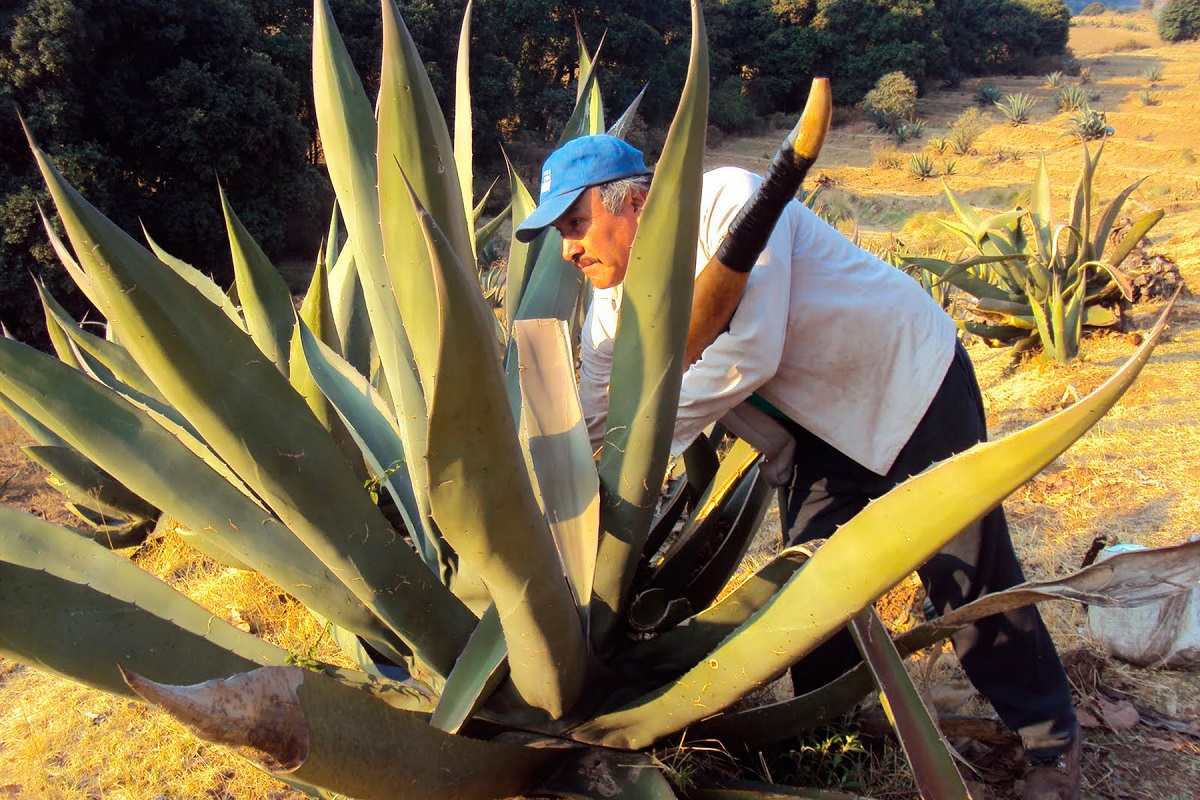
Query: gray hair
613, 193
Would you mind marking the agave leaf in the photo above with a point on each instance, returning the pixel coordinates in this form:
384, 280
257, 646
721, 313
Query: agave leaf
1108, 218
413, 135
350, 316
66, 259
674, 651
589, 774
1081, 195
621, 126
266, 300
959, 275
595, 106
477, 212
579, 123
559, 448
153, 464
348, 136
971, 221
818, 600
750, 790
1041, 213
39, 432
648, 352
330, 733
680, 561
927, 750
486, 232
332, 245
478, 671
317, 314
521, 256
377, 434
80, 479
95, 352
55, 587
1128, 579
741, 516
464, 148
480, 492
204, 284
55, 329
1133, 236
250, 416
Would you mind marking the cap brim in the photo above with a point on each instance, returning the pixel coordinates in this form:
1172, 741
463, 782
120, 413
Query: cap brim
545, 215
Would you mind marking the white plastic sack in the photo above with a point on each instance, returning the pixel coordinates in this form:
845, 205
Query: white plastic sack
1161, 634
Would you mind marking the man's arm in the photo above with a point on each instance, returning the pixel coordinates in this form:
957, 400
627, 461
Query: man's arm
721, 284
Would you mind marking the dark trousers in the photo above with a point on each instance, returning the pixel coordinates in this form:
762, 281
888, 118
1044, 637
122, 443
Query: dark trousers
1008, 657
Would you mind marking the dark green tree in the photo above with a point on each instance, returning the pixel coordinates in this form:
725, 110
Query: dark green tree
141, 100
995, 36
861, 40
1180, 21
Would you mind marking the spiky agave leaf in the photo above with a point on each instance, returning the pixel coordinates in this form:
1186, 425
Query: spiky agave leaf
481, 495
247, 412
330, 733
648, 353
55, 587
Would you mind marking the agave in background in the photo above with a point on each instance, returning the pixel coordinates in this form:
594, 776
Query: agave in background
515, 626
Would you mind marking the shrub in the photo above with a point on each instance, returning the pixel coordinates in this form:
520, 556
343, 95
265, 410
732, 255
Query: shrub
1017, 108
892, 101
1148, 98
987, 94
1069, 98
1153, 74
1180, 20
1085, 75
1094, 96
729, 108
1093, 10
966, 129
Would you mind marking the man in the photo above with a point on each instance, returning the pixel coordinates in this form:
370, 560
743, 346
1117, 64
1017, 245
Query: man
863, 370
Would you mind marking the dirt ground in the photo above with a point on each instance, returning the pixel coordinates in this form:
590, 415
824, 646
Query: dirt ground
1133, 477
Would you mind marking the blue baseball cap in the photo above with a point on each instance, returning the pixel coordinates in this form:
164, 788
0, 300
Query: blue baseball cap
572, 168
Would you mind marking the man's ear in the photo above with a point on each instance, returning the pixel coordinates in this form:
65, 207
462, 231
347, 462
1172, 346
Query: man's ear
637, 197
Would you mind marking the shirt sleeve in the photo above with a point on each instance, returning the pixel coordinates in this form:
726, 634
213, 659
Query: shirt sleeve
595, 368
748, 354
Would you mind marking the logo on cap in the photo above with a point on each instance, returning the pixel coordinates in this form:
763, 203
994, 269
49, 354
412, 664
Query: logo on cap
545, 181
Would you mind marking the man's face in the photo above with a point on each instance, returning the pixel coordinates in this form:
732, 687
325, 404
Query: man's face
597, 240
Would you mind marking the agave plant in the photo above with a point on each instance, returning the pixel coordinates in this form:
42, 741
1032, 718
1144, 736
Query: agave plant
1069, 98
1037, 281
1017, 108
518, 626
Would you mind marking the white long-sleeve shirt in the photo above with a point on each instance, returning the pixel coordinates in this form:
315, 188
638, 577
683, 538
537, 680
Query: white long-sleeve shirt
845, 345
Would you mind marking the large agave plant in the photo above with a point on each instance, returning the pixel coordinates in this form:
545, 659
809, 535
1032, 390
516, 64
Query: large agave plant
1038, 280
514, 626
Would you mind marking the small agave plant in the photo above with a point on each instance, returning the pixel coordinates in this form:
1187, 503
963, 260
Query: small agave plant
515, 627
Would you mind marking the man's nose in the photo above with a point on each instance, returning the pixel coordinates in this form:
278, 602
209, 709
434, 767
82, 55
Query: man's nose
571, 249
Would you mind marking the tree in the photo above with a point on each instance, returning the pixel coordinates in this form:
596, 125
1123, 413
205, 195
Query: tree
1180, 20
150, 99
861, 41
991, 36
